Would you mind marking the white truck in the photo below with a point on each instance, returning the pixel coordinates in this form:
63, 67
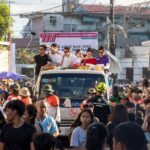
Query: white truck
70, 85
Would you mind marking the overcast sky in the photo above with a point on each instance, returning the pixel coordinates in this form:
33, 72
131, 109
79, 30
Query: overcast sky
25, 6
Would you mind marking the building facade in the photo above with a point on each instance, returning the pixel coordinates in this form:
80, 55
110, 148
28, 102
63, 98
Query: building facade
132, 27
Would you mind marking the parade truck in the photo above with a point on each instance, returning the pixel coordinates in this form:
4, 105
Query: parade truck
71, 86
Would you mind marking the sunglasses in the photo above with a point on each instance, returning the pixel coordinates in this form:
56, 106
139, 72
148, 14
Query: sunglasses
101, 52
43, 107
40, 48
65, 51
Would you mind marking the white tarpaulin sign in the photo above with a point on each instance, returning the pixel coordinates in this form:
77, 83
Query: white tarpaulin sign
4, 59
13, 58
74, 40
5, 64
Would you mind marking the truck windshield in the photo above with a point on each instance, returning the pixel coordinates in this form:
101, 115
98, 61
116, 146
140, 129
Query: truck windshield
71, 85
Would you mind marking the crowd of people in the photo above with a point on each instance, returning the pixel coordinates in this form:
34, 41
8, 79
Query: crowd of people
121, 122
50, 56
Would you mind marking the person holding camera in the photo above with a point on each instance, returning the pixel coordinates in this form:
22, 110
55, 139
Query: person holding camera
42, 60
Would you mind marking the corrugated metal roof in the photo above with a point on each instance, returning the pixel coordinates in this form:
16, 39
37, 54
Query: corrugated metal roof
118, 9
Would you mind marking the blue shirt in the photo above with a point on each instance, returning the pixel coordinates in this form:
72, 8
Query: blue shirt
48, 125
102, 60
78, 137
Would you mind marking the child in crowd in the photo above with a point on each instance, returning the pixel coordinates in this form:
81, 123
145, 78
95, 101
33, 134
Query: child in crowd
78, 135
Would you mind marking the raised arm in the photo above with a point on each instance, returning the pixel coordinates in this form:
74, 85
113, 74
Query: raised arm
27, 59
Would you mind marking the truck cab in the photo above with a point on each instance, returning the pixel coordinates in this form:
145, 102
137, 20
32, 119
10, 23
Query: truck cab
71, 86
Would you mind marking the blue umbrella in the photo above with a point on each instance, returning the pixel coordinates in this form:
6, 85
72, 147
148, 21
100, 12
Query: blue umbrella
10, 75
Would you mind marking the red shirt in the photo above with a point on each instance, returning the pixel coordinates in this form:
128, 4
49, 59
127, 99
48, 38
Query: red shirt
27, 100
82, 104
12, 97
53, 100
138, 101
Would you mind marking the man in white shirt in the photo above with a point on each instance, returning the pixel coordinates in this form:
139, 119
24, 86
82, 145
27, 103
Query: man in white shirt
55, 55
68, 59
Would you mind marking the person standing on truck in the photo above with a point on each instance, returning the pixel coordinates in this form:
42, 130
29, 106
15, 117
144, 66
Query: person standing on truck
101, 106
68, 59
89, 53
89, 59
54, 54
103, 58
42, 60
79, 55
52, 102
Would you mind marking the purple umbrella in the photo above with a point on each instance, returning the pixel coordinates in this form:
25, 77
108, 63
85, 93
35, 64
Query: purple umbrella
10, 75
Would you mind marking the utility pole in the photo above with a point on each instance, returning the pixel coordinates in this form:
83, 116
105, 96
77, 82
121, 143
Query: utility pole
72, 7
112, 28
9, 33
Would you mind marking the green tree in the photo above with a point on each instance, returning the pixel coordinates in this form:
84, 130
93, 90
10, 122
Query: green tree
5, 19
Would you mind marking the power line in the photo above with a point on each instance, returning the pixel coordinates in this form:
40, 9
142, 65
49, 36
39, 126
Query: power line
17, 14
49, 8
60, 12
29, 3
58, 7
69, 12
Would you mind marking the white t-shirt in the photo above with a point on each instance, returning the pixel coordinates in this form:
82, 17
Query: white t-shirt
78, 137
69, 60
53, 112
55, 58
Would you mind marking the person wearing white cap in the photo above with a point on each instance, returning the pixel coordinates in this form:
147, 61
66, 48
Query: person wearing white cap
25, 95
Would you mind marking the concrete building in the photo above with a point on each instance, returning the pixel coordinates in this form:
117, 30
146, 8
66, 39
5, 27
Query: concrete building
136, 67
79, 17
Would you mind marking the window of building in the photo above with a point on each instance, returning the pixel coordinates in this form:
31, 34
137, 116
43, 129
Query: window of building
67, 27
129, 74
87, 23
53, 20
146, 72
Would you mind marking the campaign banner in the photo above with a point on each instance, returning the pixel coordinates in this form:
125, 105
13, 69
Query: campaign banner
74, 40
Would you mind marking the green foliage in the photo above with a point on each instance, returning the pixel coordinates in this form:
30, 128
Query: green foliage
5, 19
3, 1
